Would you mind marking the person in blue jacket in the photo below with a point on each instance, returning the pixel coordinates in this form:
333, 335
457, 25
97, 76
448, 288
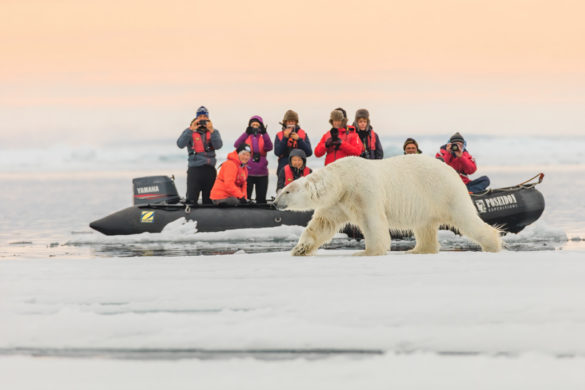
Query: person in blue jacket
201, 140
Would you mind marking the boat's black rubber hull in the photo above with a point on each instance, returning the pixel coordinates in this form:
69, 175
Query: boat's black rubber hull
153, 219
511, 210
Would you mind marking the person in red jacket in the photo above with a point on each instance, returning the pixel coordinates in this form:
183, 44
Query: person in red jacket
230, 186
340, 141
455, 154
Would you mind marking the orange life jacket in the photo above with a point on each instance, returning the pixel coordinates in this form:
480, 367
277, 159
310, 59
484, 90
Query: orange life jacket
289, 177
198, 145
260, 145
371, 140
291, 142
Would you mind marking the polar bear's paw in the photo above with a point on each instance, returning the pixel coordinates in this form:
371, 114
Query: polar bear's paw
370, 253
302, 249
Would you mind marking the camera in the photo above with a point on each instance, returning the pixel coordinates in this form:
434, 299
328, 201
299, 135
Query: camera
202, 124
454, 147
256, 157
334, 133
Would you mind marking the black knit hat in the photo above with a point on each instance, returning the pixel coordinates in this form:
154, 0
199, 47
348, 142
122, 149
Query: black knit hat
243, 146
456, 138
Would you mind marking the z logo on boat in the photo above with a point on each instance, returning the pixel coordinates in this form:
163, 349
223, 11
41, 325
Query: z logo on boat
147, 217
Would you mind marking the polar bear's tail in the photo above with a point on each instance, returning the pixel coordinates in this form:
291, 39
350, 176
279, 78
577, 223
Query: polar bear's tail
485, 235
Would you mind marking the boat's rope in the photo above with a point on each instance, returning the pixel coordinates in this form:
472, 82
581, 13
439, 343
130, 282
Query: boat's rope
525, 184
540, 177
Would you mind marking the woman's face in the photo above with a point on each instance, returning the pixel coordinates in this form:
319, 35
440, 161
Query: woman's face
337, 124
291, 123
362, 123
244, 156
296, 162
255, 125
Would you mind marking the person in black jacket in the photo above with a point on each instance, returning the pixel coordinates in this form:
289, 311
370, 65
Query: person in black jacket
296, 168
372, 148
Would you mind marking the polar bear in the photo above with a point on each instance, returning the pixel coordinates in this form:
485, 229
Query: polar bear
410, 192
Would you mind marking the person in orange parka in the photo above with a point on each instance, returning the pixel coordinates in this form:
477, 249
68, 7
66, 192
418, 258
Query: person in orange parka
341, 141
230, 186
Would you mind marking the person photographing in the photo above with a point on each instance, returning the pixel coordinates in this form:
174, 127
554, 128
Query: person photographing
455, 154
341, 141
201, 140
291, 137
257, 138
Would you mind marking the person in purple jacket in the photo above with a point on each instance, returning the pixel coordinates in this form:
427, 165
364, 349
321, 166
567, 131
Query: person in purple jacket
260, 143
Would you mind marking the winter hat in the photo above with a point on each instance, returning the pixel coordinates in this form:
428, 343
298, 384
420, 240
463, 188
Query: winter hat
456, 138
290, 115
343, 111
243, 146
202, 111
300, 153
336, 115
344, 123
411, 141
256, 118
362, 113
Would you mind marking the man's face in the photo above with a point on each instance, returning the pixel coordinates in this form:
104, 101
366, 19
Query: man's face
337, 124
410, 149
291, 123
362, 123
296, 162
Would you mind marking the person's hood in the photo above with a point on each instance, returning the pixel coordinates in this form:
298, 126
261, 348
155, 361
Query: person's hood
234, 157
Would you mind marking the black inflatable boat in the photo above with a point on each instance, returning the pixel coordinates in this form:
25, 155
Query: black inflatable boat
157, 203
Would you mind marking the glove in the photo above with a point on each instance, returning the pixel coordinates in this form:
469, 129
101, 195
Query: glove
337, 143
249, 130
243, 200
329, 143
262, 129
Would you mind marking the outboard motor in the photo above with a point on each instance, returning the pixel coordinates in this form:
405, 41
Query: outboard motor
155, 189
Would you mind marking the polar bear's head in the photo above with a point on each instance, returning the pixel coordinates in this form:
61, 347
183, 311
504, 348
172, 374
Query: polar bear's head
309, 193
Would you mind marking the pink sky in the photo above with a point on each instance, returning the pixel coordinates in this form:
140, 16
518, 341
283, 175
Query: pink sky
98, 69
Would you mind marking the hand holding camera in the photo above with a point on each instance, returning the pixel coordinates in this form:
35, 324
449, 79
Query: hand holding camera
455, 149
334, 133
202, 125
